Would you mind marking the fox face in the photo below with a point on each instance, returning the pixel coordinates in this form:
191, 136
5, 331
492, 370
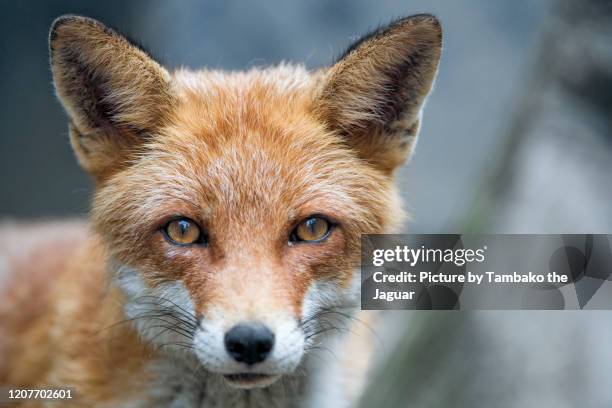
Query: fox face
232, 204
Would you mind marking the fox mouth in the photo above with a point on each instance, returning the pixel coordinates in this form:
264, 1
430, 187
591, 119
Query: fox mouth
250, 380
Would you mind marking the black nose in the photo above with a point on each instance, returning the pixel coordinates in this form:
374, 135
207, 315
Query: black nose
249, 343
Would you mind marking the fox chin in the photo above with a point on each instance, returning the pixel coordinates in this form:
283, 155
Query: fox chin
222, 248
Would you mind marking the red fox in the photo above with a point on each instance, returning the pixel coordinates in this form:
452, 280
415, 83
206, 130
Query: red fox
223, 244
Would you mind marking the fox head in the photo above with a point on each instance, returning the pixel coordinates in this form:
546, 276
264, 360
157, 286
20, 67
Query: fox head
231, 204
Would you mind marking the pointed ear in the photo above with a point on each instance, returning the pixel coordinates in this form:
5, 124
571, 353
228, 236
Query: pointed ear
374, 94
113, 92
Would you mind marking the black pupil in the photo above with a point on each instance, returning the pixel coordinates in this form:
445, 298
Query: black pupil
183, 226
311, 223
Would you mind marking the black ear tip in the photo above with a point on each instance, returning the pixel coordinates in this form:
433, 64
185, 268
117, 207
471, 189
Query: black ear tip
427, 23
69, 19
423, 20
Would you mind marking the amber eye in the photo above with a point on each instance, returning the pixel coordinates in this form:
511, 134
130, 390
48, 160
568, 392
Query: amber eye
183, 231
312, 229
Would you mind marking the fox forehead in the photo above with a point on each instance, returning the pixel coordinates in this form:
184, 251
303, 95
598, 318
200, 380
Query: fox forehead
261, 111
249, 137
224, 104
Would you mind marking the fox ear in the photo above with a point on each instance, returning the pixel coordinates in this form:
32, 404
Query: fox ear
374, 94
113, 92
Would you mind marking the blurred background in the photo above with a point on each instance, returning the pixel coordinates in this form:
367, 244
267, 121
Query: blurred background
516, 139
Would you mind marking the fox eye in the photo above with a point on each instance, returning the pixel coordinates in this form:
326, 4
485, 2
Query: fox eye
183, 231
312, 229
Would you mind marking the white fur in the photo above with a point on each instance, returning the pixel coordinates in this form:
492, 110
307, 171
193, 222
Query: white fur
324, 294
145, 306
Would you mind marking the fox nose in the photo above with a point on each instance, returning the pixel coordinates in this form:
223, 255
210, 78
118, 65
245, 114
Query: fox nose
249, 343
